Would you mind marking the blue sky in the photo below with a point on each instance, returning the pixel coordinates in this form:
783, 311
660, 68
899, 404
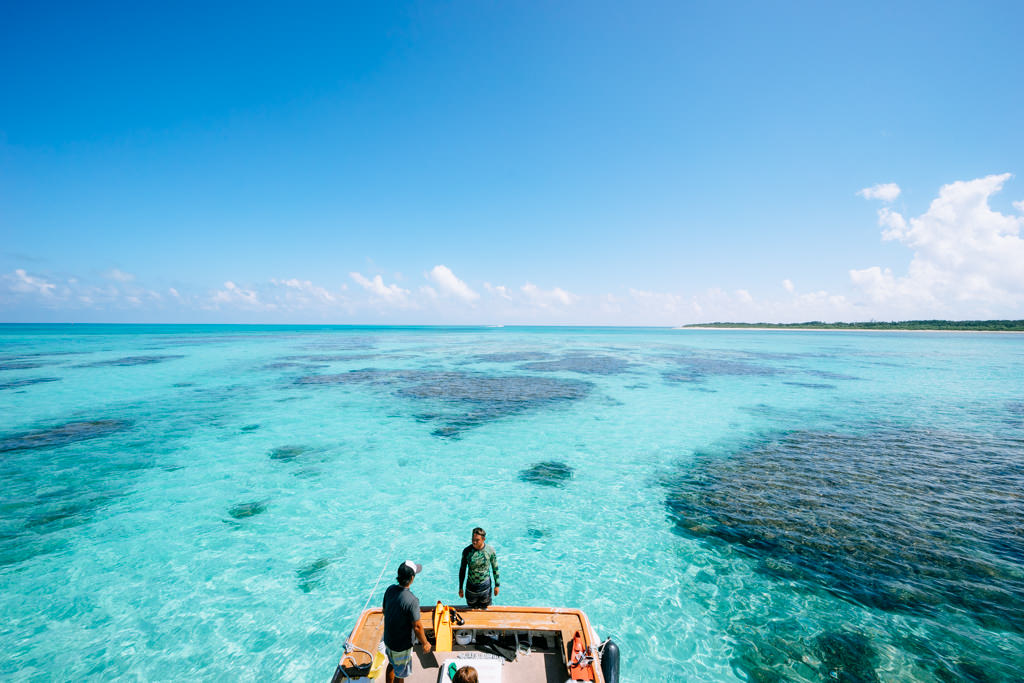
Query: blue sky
473, 162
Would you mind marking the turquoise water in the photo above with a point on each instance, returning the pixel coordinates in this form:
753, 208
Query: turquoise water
218, 502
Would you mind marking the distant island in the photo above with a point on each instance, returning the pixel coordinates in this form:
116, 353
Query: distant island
922, 325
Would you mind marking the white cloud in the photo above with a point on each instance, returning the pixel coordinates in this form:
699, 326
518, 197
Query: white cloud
445, 279
549, 298
892, 220
499, 290
744, 296
119, 275
305, 290
23, 283
233, 295
887, 192
392, 294
787, 284
657, 302
968, 259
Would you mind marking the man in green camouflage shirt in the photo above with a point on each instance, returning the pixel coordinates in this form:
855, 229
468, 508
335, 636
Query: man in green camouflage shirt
480, 559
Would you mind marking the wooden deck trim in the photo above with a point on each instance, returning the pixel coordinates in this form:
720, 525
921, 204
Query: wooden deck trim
369, 628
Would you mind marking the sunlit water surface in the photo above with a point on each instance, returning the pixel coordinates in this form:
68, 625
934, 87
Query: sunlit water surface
190, 502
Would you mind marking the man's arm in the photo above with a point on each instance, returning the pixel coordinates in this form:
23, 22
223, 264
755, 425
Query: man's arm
462, 571
494, 568
422, 635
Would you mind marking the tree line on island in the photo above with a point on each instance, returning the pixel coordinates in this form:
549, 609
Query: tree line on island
938, 325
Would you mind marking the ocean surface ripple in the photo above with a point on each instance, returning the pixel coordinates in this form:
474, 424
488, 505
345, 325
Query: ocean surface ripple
217, 503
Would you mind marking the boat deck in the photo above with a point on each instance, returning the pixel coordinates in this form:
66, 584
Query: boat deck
536, 667
541, 633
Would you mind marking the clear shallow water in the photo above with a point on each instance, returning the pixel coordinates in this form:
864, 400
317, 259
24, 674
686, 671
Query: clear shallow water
218, 502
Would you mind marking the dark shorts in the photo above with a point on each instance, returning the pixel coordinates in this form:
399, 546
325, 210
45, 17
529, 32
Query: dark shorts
478, 594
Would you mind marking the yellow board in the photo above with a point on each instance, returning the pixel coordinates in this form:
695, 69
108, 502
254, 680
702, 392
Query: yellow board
442, 628
377, 666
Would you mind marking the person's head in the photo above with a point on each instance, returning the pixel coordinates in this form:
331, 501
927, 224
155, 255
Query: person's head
466, 674
407, 571
479, 538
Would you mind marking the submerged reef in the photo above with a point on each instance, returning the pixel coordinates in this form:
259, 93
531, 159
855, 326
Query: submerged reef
699, 368
512, 356
20, 365
312, 575
904, 520
129, 361
581, 363
19, 383
549, 473
847, 656
58, 478
62, 435
465, 399
287, 453
251, 509
331, 357
811, 385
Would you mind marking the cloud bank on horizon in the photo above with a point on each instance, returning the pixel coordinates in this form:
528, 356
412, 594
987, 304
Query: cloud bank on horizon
966, 261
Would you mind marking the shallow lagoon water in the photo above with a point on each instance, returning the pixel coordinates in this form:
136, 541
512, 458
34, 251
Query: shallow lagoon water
219, 502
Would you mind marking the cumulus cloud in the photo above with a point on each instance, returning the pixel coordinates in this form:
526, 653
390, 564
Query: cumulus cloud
22, 283
498, 290
968, 259
119, 275
392, 294
305, 290
787, 284
448, 284
719, 305
233, 295
656, 302
887, 192
549, 298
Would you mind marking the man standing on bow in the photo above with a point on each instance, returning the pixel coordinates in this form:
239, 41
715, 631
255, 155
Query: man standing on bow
480, 559
401, 619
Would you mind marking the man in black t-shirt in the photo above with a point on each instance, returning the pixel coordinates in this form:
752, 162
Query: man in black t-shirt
401, 619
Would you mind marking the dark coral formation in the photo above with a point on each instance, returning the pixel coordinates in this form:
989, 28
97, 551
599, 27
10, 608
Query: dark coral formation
847, 656
910, 521
826, 374
331, 357
466, 400
129, 361
287, 453
19, 383
512, 357
585, 364
62, 435
811, 385
312, 574
550, 473
698, 368
51, 485
20, 365
251, 509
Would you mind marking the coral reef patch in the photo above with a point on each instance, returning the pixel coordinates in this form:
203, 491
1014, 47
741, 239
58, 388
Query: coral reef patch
549, 473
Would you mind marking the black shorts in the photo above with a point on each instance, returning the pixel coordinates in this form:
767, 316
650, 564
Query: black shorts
478, 594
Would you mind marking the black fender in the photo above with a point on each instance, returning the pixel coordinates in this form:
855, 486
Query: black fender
610, 661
